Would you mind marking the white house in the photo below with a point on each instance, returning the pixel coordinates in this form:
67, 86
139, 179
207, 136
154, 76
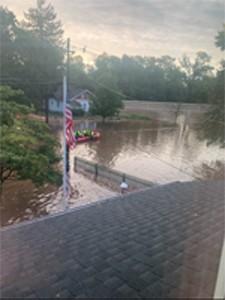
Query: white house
55, 105
83, 97
78, 98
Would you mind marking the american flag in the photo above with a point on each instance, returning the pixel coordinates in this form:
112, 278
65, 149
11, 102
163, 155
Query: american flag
70, 138
70, 141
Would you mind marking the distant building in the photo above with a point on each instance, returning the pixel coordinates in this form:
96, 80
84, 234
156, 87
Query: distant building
78, 99
55, 105
83, 98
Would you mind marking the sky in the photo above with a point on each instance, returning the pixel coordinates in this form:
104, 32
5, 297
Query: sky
137, 27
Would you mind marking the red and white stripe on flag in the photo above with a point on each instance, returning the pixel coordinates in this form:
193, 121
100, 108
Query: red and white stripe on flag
70, 138
70, 141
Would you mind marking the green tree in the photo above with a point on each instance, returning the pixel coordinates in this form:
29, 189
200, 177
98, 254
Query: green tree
40, 71
28, 149
218, 110
41, 21
214, 120
220, 39
150, 78
108, 100
78, 76
9, 56
172, 79
29, 62
10, 94
198, 77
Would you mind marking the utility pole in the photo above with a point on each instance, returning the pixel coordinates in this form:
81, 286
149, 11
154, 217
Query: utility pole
65, 196
68, 65
65, 149
68, 93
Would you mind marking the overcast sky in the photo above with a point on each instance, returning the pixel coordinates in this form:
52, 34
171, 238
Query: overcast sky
138, 27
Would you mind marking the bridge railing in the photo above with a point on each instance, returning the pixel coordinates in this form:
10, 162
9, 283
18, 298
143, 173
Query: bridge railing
109, 177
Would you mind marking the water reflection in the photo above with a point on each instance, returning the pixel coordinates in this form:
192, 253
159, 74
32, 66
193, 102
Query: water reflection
213, 132
21, 200
214, 170
152, 151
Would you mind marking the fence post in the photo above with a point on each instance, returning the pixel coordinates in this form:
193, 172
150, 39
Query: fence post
75, 164
96, 171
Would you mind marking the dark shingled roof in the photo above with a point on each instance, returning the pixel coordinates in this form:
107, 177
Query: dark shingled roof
163, 242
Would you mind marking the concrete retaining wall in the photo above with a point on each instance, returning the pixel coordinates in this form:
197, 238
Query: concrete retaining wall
109, 176
166, 111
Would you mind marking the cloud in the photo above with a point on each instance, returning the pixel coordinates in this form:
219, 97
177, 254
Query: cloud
144, 27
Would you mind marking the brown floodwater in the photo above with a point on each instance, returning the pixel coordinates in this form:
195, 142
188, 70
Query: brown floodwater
154, 151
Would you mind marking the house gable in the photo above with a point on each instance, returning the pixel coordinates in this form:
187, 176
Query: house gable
78, 98
82, 95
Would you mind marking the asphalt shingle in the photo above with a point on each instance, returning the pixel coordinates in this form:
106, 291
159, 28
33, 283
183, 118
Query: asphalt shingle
162, 242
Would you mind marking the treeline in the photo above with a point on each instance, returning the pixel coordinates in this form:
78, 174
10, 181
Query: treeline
32, 56
159, 79
31, 52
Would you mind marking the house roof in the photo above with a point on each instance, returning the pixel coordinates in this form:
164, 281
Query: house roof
161, 242
79, 92
72, 92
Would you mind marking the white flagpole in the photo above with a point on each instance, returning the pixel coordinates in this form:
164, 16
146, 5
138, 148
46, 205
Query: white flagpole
65, 92
65, 188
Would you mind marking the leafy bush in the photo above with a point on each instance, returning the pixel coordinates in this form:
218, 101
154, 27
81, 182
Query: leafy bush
28, 149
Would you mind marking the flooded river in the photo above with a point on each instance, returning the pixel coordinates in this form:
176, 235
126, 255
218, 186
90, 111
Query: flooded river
154, 151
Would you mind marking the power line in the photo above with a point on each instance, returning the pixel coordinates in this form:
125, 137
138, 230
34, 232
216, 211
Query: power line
171, 165
22, 82
109, 89
86, 49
